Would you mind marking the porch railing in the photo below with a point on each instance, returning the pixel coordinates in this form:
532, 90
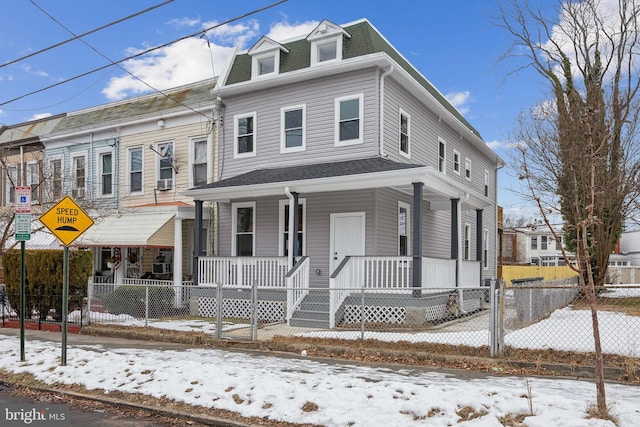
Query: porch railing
297, 285
243, 271
470, 274
438, 273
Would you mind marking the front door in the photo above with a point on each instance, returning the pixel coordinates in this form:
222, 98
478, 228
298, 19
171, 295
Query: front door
347, 236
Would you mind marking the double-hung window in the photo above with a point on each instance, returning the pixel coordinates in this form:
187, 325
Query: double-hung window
243, 226
442, 156
105, 163
467, 242
293, 122
403, 229
485, 249
299, 244
456, 162
245, 135
349, 124
199, 164
12, 182
79, 176
55, 168
486, 183
534, 243
467, 169
404, 134
33, 180
165, 164
544, 242
135, 170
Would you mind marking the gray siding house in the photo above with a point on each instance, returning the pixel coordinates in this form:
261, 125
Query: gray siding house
393, 189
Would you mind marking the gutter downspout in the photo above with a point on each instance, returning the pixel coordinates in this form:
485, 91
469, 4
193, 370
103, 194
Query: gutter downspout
291, 240
381, 109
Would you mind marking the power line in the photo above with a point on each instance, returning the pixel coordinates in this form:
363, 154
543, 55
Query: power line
142, 53
75, 37
111, 61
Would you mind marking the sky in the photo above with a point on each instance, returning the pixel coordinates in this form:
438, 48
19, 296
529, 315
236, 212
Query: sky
346, 393
455, 45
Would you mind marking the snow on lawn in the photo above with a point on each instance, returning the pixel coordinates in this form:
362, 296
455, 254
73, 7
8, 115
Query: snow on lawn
288, 388
564, 329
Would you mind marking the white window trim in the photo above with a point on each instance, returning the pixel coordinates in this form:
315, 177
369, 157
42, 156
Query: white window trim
35, 195
74, 156
360, 139
234, 225
8, 186
467, 162
282, 204
408, 116
466, 237
283, 136
49, 173
456, 152
159, 158
129, 150
192, 153
408, 225
255, 59
486, 184
444, 159
236, 154
485, 249
99, 154
315, 44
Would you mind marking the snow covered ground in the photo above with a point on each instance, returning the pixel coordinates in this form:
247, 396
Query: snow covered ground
344, 394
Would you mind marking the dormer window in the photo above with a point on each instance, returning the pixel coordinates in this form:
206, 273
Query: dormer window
326, 42
265, 57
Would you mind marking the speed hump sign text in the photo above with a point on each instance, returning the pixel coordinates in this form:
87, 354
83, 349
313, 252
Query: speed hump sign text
66, 220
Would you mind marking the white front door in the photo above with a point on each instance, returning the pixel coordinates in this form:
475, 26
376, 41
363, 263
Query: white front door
347, 236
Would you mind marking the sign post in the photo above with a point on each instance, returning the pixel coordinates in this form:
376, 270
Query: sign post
66, 220
23, 233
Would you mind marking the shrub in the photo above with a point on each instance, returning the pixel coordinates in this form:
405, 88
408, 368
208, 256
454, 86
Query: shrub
44, 277
131, 300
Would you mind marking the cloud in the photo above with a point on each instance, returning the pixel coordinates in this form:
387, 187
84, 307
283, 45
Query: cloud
29, 69
237, 35
181, 63
184, 22
282, 31
39, 116
460, 100
496, 145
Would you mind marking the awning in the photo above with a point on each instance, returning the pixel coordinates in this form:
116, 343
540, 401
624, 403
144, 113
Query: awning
130, 230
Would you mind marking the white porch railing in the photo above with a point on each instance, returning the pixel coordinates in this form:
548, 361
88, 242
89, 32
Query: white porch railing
297, 285
243, 271
438, 273
470, 274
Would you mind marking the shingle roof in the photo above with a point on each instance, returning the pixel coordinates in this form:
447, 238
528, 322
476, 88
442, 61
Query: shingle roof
364, 40
305, 172
191, 95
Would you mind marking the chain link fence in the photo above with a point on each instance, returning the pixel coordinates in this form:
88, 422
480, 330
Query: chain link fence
529, 315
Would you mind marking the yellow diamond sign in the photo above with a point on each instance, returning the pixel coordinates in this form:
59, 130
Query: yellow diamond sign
66, 220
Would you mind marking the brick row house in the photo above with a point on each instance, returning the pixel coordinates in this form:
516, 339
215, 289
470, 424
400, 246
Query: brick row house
391, 185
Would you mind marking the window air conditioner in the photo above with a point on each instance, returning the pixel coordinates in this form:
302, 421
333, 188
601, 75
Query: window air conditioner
78, 193
164, 184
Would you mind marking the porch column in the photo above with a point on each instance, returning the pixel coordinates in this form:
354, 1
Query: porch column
455, 236
479, 242
197, 241
177, 260
293, 232
417, 238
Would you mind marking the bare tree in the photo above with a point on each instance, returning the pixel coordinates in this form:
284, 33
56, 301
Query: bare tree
578, 149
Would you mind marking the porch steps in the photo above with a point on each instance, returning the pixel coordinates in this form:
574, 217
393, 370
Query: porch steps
313, 311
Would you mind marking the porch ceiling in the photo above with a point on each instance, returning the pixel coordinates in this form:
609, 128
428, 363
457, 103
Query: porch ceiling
348, 175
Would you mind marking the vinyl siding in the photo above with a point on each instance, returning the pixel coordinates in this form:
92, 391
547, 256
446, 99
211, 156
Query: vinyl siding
181, 138
319, 96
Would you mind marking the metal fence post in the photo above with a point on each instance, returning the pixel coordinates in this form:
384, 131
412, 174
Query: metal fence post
219, 311
89, 298
146, 304
495, 320
362, 313
254, 311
